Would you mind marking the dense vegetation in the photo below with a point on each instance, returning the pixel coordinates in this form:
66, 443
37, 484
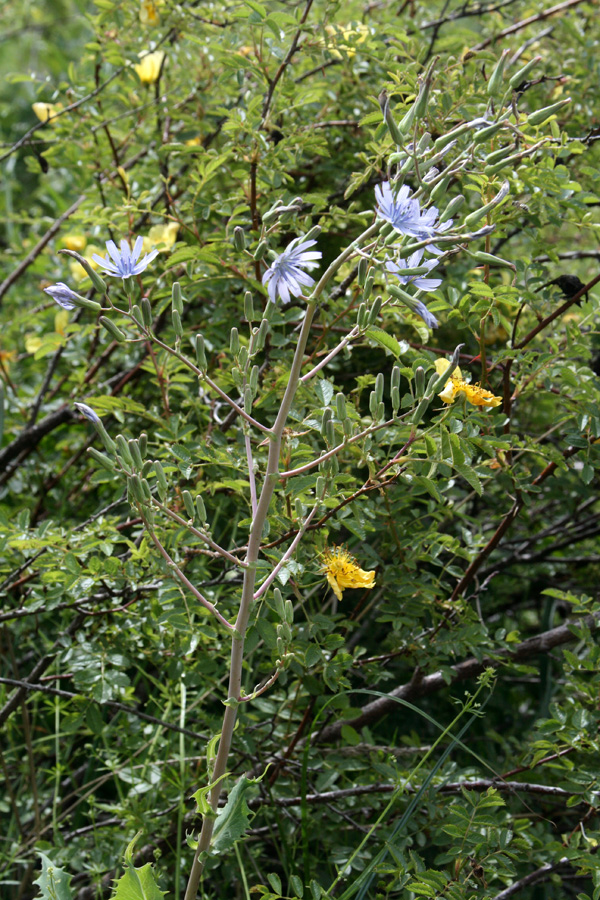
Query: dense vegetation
410, 551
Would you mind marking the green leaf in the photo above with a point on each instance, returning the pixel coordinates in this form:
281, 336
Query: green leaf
385, 340
137, 883
53, 881
232, 820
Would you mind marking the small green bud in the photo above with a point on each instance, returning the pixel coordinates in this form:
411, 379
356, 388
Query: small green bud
248, 398
278, 601
395, 377
112, 329
485, 134
177, 326
261, 337
189, 504
452, 208
419, 381
134, 449
373, 404
521, 74
234, 341
280, 646
253, 380
239, 238
540, 116
243, 357
474, 217
300, 508
347, 426
146, 490
146, 312
313, 234
395, 396
499, 154
201, 509
384, 103
200, 353
123, 448
137, 315
104, 461
368, 287
237, 376
375, 310
176, 298
320, 487
135, 484
340, 405
497, 76
161, 479
362, 270
289, 612
327, 414
261, 250
143, 443
379, 387
147, 468
440, 189
362, 316
330, 432
248, 307
491, 260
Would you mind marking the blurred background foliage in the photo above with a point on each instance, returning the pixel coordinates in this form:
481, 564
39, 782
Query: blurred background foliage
484, 542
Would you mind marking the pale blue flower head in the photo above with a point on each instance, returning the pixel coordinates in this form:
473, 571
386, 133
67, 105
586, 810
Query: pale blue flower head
402, 212
124, 263
88, 412
430, 227
413, 261
286, 273
63, 295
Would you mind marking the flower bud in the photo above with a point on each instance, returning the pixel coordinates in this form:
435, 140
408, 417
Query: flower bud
419, 381
123, 449
540, 116
373, 404
300, 508
347, 426
340, 405
161, 480
440, 189
278, 602
248, 398
239, 238
497, 76
177, 326
176, 298
189, 504
313, 233
248, 307
253, 380
289, 612
395, 377
395, 397
201, 510
491, 260
200, 353
261, 336
134, 449
474, 217
137, 315
362, 270
362, 316
379, 385
96, 280
234, 341
384, 103
112, 329
261, 250
375, 310
522, 73
452, 208
368, 287
327, 414
104, 461
146, 312
143, 444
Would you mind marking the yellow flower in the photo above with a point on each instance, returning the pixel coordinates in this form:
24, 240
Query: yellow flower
341, 33
46, 111
193, 142
78, 273
161, 234
474, 393
75, 242
342, 571
7, 357
149, 67
149, 12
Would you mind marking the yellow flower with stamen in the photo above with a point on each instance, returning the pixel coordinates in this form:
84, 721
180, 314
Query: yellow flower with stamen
149, 67
474, 393
342, 571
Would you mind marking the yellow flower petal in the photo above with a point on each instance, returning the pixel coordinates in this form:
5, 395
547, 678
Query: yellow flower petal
149, 12
61, 320
164, 235
32, 342
75, 242
479, 396
342, 571
442, 365
46, 111
149, 68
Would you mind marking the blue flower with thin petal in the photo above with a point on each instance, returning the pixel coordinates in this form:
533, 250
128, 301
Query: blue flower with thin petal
419, 281
285, 275
428, 317
88, 412
63, 295
124, 263
402, 212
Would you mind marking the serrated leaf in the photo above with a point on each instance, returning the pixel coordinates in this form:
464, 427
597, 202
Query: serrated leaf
137, 884
233, 819
53, 881
324, 391
470, 476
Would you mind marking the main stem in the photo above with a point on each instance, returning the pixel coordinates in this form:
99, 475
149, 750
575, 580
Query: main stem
241, 623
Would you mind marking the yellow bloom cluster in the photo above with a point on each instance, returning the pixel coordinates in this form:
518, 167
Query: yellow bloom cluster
342, 571
455, 385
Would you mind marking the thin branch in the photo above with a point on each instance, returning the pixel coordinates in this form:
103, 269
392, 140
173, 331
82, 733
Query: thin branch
518, 26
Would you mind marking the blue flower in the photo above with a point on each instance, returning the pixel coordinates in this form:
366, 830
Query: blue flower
88, 413
428, 317
285, 275
124, 262
403, 214
63, 295
419, 281
430, 227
